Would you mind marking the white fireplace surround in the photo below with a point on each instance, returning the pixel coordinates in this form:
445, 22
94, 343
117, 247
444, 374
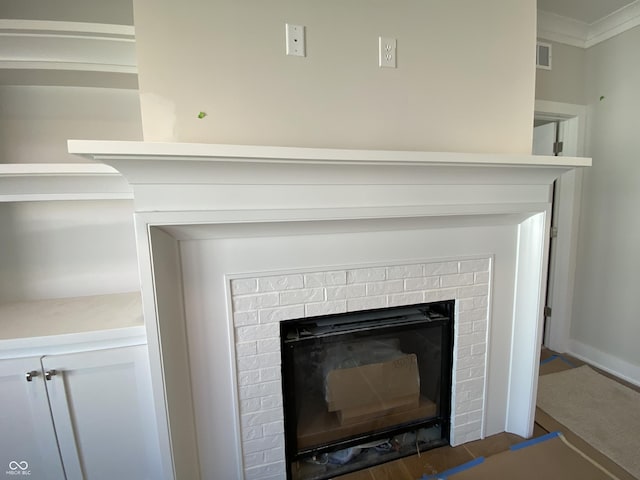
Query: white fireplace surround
261, 302
211, 215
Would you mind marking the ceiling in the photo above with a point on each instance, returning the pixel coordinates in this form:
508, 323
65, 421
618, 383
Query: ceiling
587, 11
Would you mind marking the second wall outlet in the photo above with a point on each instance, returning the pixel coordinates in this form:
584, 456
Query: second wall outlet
387, 52
295, 40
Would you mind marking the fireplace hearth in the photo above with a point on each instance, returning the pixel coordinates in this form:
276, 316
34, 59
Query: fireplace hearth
365, 388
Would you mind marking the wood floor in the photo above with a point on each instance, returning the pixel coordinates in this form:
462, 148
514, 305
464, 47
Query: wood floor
444, 458
439, 459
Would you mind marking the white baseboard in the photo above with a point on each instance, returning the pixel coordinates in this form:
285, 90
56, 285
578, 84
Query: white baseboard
605, 361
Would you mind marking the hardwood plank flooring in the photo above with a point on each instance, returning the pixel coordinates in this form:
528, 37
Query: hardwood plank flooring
492, 445
445, 458
438, 459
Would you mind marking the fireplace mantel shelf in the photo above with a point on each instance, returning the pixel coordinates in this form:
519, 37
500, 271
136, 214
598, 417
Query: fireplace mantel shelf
174, 177
103, 150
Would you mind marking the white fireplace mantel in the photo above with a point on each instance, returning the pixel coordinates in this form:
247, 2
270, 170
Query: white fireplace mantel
195, 200
158, 172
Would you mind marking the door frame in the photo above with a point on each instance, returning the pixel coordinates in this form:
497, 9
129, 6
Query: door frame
573, 125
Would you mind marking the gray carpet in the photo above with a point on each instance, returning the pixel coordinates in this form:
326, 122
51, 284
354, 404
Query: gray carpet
603, 412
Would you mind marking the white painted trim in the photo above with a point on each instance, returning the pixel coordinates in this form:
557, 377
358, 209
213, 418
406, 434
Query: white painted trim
530, 281
68, 66
156, 361
184, 225
30, 182
72, 342
605, 361
569, 31
111, 150
235, 393
614, 24
163, 302
562, 29
548, 110
58, 169
22, 26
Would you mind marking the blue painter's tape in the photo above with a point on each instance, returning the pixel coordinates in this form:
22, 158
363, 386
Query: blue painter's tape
534, 441
566, 361
559, 357
547, 360
460, 468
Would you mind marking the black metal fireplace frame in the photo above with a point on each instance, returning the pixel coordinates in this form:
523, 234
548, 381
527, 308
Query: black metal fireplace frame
394, 320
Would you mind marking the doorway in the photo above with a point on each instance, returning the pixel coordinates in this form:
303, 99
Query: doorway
561, 126
547, 140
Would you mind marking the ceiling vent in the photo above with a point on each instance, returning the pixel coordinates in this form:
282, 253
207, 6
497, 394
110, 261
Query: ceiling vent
543, 55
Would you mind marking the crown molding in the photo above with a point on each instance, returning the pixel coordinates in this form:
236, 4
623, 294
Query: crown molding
562, 29
569, 31
614, 24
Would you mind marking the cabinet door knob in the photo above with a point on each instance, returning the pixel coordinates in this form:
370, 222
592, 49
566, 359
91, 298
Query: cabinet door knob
29, 375
50, 373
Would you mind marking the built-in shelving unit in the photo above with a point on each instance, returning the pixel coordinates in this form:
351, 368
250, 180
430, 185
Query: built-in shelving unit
47, 326
37, 52
67, 324
74, 181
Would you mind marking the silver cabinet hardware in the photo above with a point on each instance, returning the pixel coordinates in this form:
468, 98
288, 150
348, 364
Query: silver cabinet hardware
29, 375
50, 373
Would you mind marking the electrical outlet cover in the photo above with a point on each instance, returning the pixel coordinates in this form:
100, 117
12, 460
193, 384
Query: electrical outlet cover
295, 40
387, 52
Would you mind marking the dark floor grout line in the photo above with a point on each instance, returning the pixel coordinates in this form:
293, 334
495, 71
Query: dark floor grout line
469, 451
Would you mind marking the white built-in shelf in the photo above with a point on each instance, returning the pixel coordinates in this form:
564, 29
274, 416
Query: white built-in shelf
37, 52
44, 326
61, 181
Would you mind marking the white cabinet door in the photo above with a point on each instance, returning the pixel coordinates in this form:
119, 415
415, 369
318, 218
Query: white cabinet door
102, 408
27, 437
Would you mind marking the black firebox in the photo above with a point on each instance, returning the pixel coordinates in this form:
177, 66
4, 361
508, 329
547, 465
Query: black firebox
366, 387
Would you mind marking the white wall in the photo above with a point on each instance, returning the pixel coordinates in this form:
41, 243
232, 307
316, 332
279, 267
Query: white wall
66, 249
565, 82
464, 82
37, 121
605, 325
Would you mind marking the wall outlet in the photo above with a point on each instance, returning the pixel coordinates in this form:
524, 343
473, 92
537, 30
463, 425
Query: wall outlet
295, 40
387, 52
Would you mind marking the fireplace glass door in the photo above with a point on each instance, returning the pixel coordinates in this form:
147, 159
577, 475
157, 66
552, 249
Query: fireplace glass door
366, 387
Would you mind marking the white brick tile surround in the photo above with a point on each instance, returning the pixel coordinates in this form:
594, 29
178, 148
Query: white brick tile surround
259, 303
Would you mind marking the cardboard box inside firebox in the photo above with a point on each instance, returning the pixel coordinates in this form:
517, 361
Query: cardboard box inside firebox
370, 391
